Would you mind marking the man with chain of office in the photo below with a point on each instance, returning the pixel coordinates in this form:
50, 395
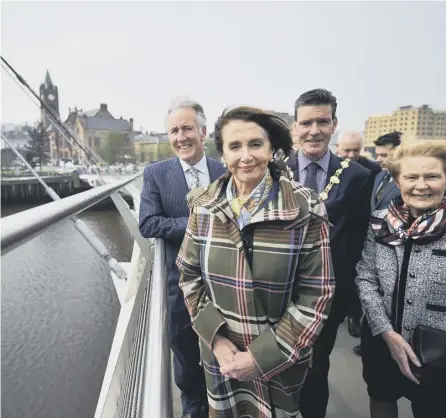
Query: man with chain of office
345, 187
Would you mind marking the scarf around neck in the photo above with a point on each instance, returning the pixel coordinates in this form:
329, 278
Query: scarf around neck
244, 209
394, 229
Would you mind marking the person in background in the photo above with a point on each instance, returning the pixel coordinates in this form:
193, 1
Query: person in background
349, 146
402, 283
384, 188
164, 214
345, 189
256, 272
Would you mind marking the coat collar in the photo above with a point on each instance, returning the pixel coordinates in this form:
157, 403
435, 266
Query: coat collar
287, 202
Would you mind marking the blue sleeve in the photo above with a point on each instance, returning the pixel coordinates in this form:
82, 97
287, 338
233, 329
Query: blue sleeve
153, 221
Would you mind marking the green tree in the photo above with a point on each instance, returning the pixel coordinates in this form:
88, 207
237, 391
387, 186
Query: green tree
117, 148
37, 150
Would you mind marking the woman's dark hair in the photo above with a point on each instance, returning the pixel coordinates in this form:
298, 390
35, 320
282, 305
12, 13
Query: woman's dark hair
316, 97
276, 128
393, 138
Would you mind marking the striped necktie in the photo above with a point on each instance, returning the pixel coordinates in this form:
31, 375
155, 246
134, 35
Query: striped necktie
195, 179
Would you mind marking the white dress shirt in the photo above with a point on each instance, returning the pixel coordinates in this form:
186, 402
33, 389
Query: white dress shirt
203, 172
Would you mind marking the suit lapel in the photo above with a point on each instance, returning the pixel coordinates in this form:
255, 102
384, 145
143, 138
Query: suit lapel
378, 180
389, 188
294, 165
215, 169
334, 164
177, 181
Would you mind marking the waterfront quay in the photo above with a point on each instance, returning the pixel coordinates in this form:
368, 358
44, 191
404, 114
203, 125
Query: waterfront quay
25, 188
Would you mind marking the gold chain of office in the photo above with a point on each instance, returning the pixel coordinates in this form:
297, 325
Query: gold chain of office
334, 179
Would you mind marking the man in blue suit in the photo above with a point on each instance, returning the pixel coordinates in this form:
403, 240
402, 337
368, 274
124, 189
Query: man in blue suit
384, 188
348, 210
164, 214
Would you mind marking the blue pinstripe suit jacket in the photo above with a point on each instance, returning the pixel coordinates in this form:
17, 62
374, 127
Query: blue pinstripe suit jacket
164, 214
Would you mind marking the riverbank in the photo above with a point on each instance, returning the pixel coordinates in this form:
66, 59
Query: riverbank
27, 190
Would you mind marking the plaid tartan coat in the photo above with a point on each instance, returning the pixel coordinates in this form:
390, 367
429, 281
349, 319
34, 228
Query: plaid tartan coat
276, 309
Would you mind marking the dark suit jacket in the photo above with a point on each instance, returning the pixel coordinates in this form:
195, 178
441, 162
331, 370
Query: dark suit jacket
348, 208
164, 214
373, 166
390, 192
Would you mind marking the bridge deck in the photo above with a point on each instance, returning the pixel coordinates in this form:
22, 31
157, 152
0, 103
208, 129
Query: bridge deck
348, 396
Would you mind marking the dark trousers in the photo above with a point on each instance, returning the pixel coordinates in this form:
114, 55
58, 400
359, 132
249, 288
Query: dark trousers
314, 393
189, 375
354, 306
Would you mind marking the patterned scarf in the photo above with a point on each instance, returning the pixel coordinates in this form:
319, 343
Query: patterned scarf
244, 209
394, 228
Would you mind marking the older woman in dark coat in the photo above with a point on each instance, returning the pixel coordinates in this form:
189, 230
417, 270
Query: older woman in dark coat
256, 272
402, 283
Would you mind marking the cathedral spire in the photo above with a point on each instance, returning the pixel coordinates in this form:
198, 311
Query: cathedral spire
48, 81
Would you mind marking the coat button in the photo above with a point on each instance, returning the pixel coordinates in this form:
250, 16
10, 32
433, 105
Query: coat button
249, 250
417, 250
411, 275
409, 301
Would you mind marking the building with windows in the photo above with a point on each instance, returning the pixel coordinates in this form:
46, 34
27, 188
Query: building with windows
91, 128
151, 146
416, 123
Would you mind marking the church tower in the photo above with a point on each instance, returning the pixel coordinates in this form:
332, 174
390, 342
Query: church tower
50, 96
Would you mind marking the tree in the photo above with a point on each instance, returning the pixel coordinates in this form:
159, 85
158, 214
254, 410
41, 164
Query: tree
38, 147
117, 148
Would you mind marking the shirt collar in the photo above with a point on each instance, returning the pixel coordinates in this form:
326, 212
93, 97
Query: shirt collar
201, 166
304, 161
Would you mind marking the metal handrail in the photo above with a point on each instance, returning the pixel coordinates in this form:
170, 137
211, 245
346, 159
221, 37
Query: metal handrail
21, 227
150, 391
156, 386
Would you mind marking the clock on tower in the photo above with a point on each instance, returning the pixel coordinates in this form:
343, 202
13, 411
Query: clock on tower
50, 96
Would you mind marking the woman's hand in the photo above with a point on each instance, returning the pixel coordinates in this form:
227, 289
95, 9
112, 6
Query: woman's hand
401, 352
224, 350
242, 368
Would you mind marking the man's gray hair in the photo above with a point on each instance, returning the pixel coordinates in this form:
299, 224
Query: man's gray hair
184, 102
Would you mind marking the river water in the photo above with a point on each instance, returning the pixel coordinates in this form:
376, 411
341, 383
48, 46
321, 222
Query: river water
59, 313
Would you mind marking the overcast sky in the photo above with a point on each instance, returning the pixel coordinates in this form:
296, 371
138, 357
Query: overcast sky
374, 56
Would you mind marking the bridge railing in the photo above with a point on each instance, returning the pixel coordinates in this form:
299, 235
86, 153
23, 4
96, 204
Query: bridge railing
137, 378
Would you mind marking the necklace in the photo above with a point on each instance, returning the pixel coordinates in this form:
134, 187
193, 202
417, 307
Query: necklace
334, 179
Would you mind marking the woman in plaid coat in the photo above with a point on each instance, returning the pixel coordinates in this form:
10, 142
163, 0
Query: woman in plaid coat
256, 272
